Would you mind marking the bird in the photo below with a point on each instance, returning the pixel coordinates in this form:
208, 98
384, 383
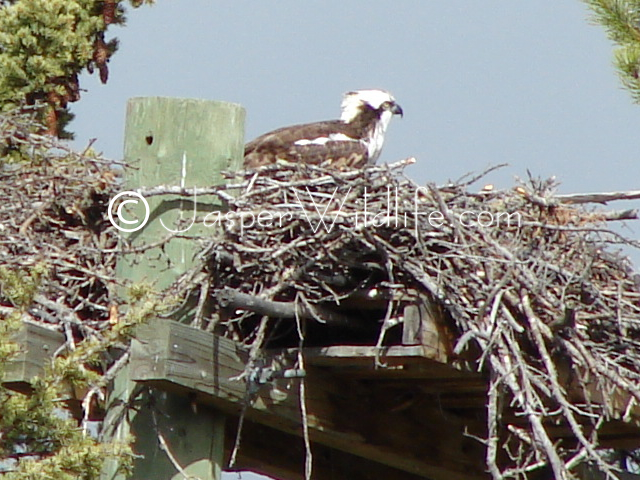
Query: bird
354, 141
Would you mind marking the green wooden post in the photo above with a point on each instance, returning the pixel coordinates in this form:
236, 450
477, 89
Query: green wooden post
177, 142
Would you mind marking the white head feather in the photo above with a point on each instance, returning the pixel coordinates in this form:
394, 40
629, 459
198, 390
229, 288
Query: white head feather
352, 105
352, 101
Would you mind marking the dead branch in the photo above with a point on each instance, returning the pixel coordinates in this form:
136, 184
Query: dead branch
234, 299
603, 197
334, 243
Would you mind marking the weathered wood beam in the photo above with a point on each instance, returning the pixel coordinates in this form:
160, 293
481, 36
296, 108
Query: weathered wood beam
403, 362
280, 455
188, 143
37, 346
424, 323
341, 414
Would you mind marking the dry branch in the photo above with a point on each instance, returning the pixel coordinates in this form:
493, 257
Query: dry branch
602, 197
553, 310
234, 299
547, 306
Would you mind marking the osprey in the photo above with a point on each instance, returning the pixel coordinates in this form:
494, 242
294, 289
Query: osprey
353, 141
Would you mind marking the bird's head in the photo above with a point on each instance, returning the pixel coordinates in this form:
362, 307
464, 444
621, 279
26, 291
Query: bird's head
379, 102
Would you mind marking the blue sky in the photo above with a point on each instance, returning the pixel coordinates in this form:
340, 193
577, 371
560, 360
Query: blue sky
481, 83
529, 83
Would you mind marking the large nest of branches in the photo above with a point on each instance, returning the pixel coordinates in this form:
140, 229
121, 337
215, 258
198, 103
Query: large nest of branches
532, 285
57, 247
532, 290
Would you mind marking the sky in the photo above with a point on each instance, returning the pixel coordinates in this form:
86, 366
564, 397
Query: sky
528, 83
481, 83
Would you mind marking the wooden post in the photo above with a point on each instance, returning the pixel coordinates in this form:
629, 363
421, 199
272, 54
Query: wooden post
423, 324
188, 143
180, 142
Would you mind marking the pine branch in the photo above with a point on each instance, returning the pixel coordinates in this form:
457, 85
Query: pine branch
621, 20
619, 17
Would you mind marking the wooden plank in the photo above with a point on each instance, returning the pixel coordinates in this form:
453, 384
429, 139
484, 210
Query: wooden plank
348, 355
182, 359
277, 454
402, 361
411, 325
38, 344
423, 324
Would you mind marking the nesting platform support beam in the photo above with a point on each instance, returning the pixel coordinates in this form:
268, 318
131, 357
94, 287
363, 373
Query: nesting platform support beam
282, 455
423, 323
184, 142
37, 346
345, 420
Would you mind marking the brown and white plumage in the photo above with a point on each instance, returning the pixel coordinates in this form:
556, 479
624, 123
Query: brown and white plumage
353, 141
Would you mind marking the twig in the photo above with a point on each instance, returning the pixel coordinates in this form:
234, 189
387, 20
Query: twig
603, 197
308, 462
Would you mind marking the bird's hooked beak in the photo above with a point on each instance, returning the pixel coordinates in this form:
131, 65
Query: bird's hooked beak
396, 109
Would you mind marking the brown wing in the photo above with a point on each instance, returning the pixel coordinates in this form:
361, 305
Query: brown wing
328, 142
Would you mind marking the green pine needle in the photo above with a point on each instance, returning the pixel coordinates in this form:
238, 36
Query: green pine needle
621, 20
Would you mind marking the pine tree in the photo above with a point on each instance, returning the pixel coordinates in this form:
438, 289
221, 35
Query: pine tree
39, 437
621, 19
46, 44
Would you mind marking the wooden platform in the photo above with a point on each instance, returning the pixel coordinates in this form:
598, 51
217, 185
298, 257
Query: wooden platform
352, 408
414, 416
410, 419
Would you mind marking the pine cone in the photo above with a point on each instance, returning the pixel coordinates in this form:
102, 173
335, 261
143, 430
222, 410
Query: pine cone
101, 55
109, 11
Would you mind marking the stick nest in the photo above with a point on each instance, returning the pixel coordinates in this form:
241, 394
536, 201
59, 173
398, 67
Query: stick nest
57, 246
532, 287
532, 290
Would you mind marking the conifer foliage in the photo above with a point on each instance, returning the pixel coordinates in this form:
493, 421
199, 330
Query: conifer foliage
46, 44
621, 19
